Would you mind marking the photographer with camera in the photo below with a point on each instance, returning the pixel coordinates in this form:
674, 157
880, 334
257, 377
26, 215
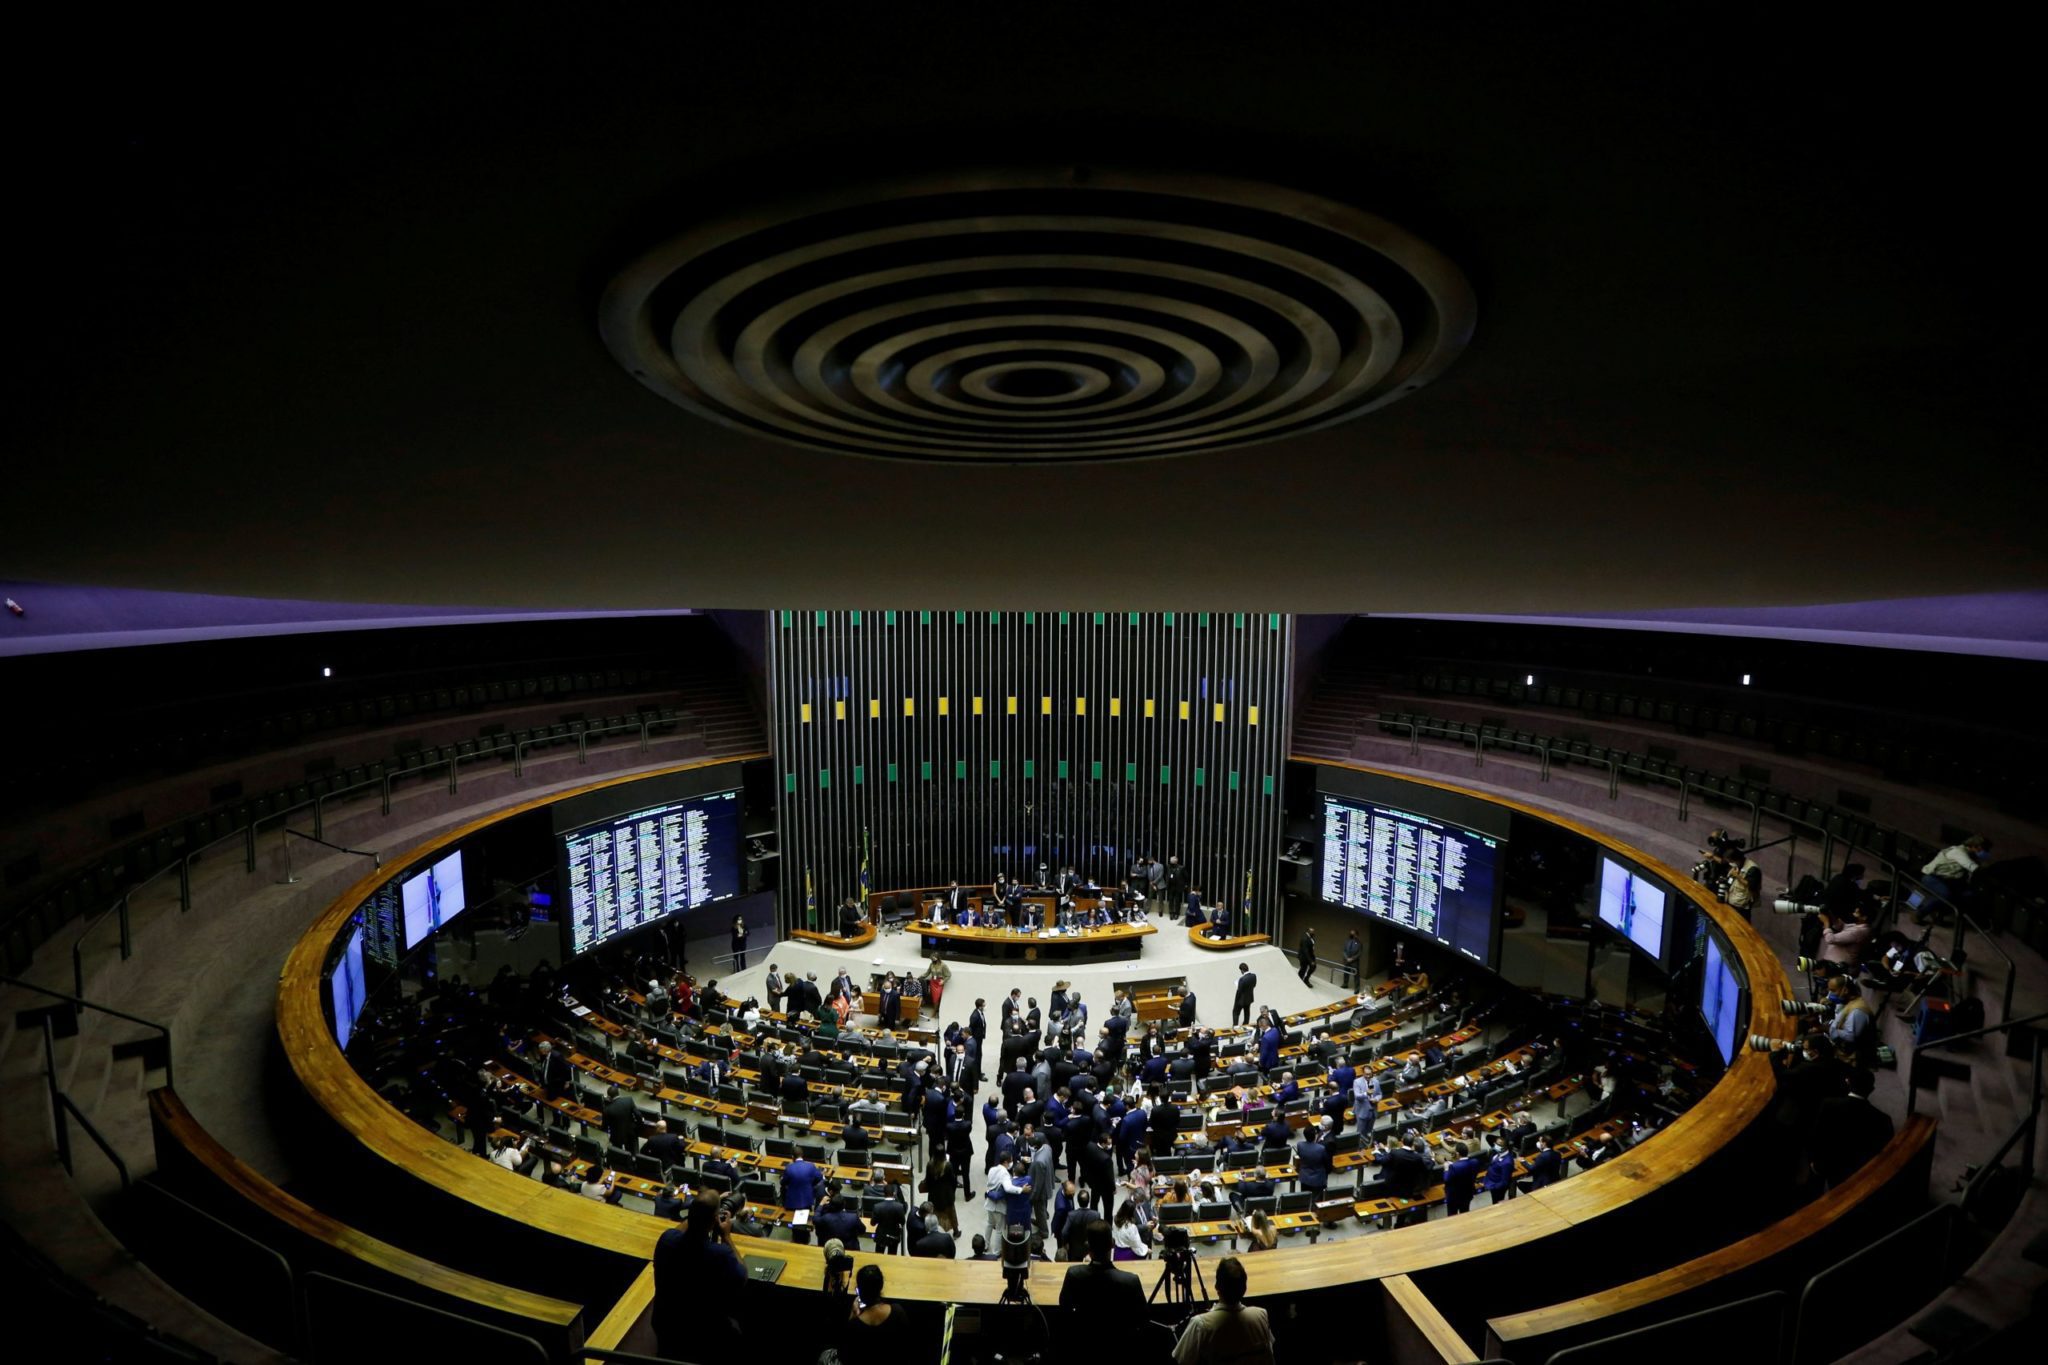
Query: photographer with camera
695, 1264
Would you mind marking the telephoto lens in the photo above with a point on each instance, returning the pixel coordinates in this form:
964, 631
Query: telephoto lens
1809, 965
1759, 1043
1814, 1007
1787, 906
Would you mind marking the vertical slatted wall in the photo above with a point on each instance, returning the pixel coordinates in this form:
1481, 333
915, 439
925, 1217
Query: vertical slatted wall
943, 744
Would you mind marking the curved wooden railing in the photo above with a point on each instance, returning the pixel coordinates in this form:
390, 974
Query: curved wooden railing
1899, 1169
1200, 939
1735, 1103
309, 1240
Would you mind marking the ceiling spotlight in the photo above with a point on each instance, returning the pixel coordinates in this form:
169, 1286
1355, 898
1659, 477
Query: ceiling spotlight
1529, 681
328, 673
1745, 680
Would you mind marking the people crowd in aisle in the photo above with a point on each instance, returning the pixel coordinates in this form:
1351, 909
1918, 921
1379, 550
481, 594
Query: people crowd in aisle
1092, 1126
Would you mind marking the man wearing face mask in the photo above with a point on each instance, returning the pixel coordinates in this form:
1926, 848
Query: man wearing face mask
1851, 1029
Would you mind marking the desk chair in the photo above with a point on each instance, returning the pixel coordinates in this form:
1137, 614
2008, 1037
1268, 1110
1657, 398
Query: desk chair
813, 1152
1178, 1213
778, 1147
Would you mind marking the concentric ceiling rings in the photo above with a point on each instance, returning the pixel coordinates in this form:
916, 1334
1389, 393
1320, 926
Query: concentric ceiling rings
1032, 318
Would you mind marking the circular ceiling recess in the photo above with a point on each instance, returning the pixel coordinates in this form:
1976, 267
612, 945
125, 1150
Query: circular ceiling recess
1083, 315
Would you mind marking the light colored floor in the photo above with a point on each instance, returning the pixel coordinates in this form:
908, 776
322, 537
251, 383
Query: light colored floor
1213, 976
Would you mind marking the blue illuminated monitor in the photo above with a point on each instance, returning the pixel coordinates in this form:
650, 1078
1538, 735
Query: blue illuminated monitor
431, 898
345, 987
1721, 999
1633, 906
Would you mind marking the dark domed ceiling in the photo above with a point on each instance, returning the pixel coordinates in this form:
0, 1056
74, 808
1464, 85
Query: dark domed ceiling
1747, 315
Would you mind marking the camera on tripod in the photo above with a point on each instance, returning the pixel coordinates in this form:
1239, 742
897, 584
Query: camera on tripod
1016, 1265
1813, 1007
1180, 1275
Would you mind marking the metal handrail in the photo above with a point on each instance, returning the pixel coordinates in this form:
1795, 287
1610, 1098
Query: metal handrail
1988, 1029
103, 1009
61, 1103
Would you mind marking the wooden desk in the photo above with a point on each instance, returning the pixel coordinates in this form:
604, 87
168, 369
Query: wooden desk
908, 1007
1198, 934
863, 935
1105, 943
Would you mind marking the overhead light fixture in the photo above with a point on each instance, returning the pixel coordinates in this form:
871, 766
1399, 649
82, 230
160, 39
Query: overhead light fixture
1745, 680
328, 673
1529, 681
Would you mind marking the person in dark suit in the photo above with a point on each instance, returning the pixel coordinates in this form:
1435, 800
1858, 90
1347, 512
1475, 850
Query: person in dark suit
955, 900
553, 1072
698, 1281
800, 1182
666, 1147
836, 1219
1461, 1180
1545, 1167
1194, 906
739, 942
1312, 1159
1165, 1125
977, 1021
621, 1120
1269, 1046
1105, 1301
1187, 1008
1848, 1130
1098, 1170
888, 1216
1406, 1170
889, 1008
1241, 1003
1307, 956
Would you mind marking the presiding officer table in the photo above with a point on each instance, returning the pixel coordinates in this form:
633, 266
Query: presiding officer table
1098, 943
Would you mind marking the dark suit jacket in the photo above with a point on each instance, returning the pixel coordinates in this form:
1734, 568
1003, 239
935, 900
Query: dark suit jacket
1848, 1132
1245, 985
1312, 1163
1187, 1008
1102, 1289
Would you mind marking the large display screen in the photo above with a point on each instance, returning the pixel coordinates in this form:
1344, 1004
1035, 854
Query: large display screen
633, 870
345, 987
1415, 872
432, 898
1632, 906
1721, 1000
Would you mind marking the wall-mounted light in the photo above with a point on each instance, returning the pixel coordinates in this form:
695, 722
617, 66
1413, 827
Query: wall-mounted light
328, 673
1529, 681
1745, 680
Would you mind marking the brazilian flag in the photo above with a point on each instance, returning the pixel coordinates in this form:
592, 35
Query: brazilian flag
810, 900
863, 869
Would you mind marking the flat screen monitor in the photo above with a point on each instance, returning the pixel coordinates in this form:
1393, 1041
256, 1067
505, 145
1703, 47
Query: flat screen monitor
1721, 999
635, 869
1415, 872
345, 987
1633, 906
432, 897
